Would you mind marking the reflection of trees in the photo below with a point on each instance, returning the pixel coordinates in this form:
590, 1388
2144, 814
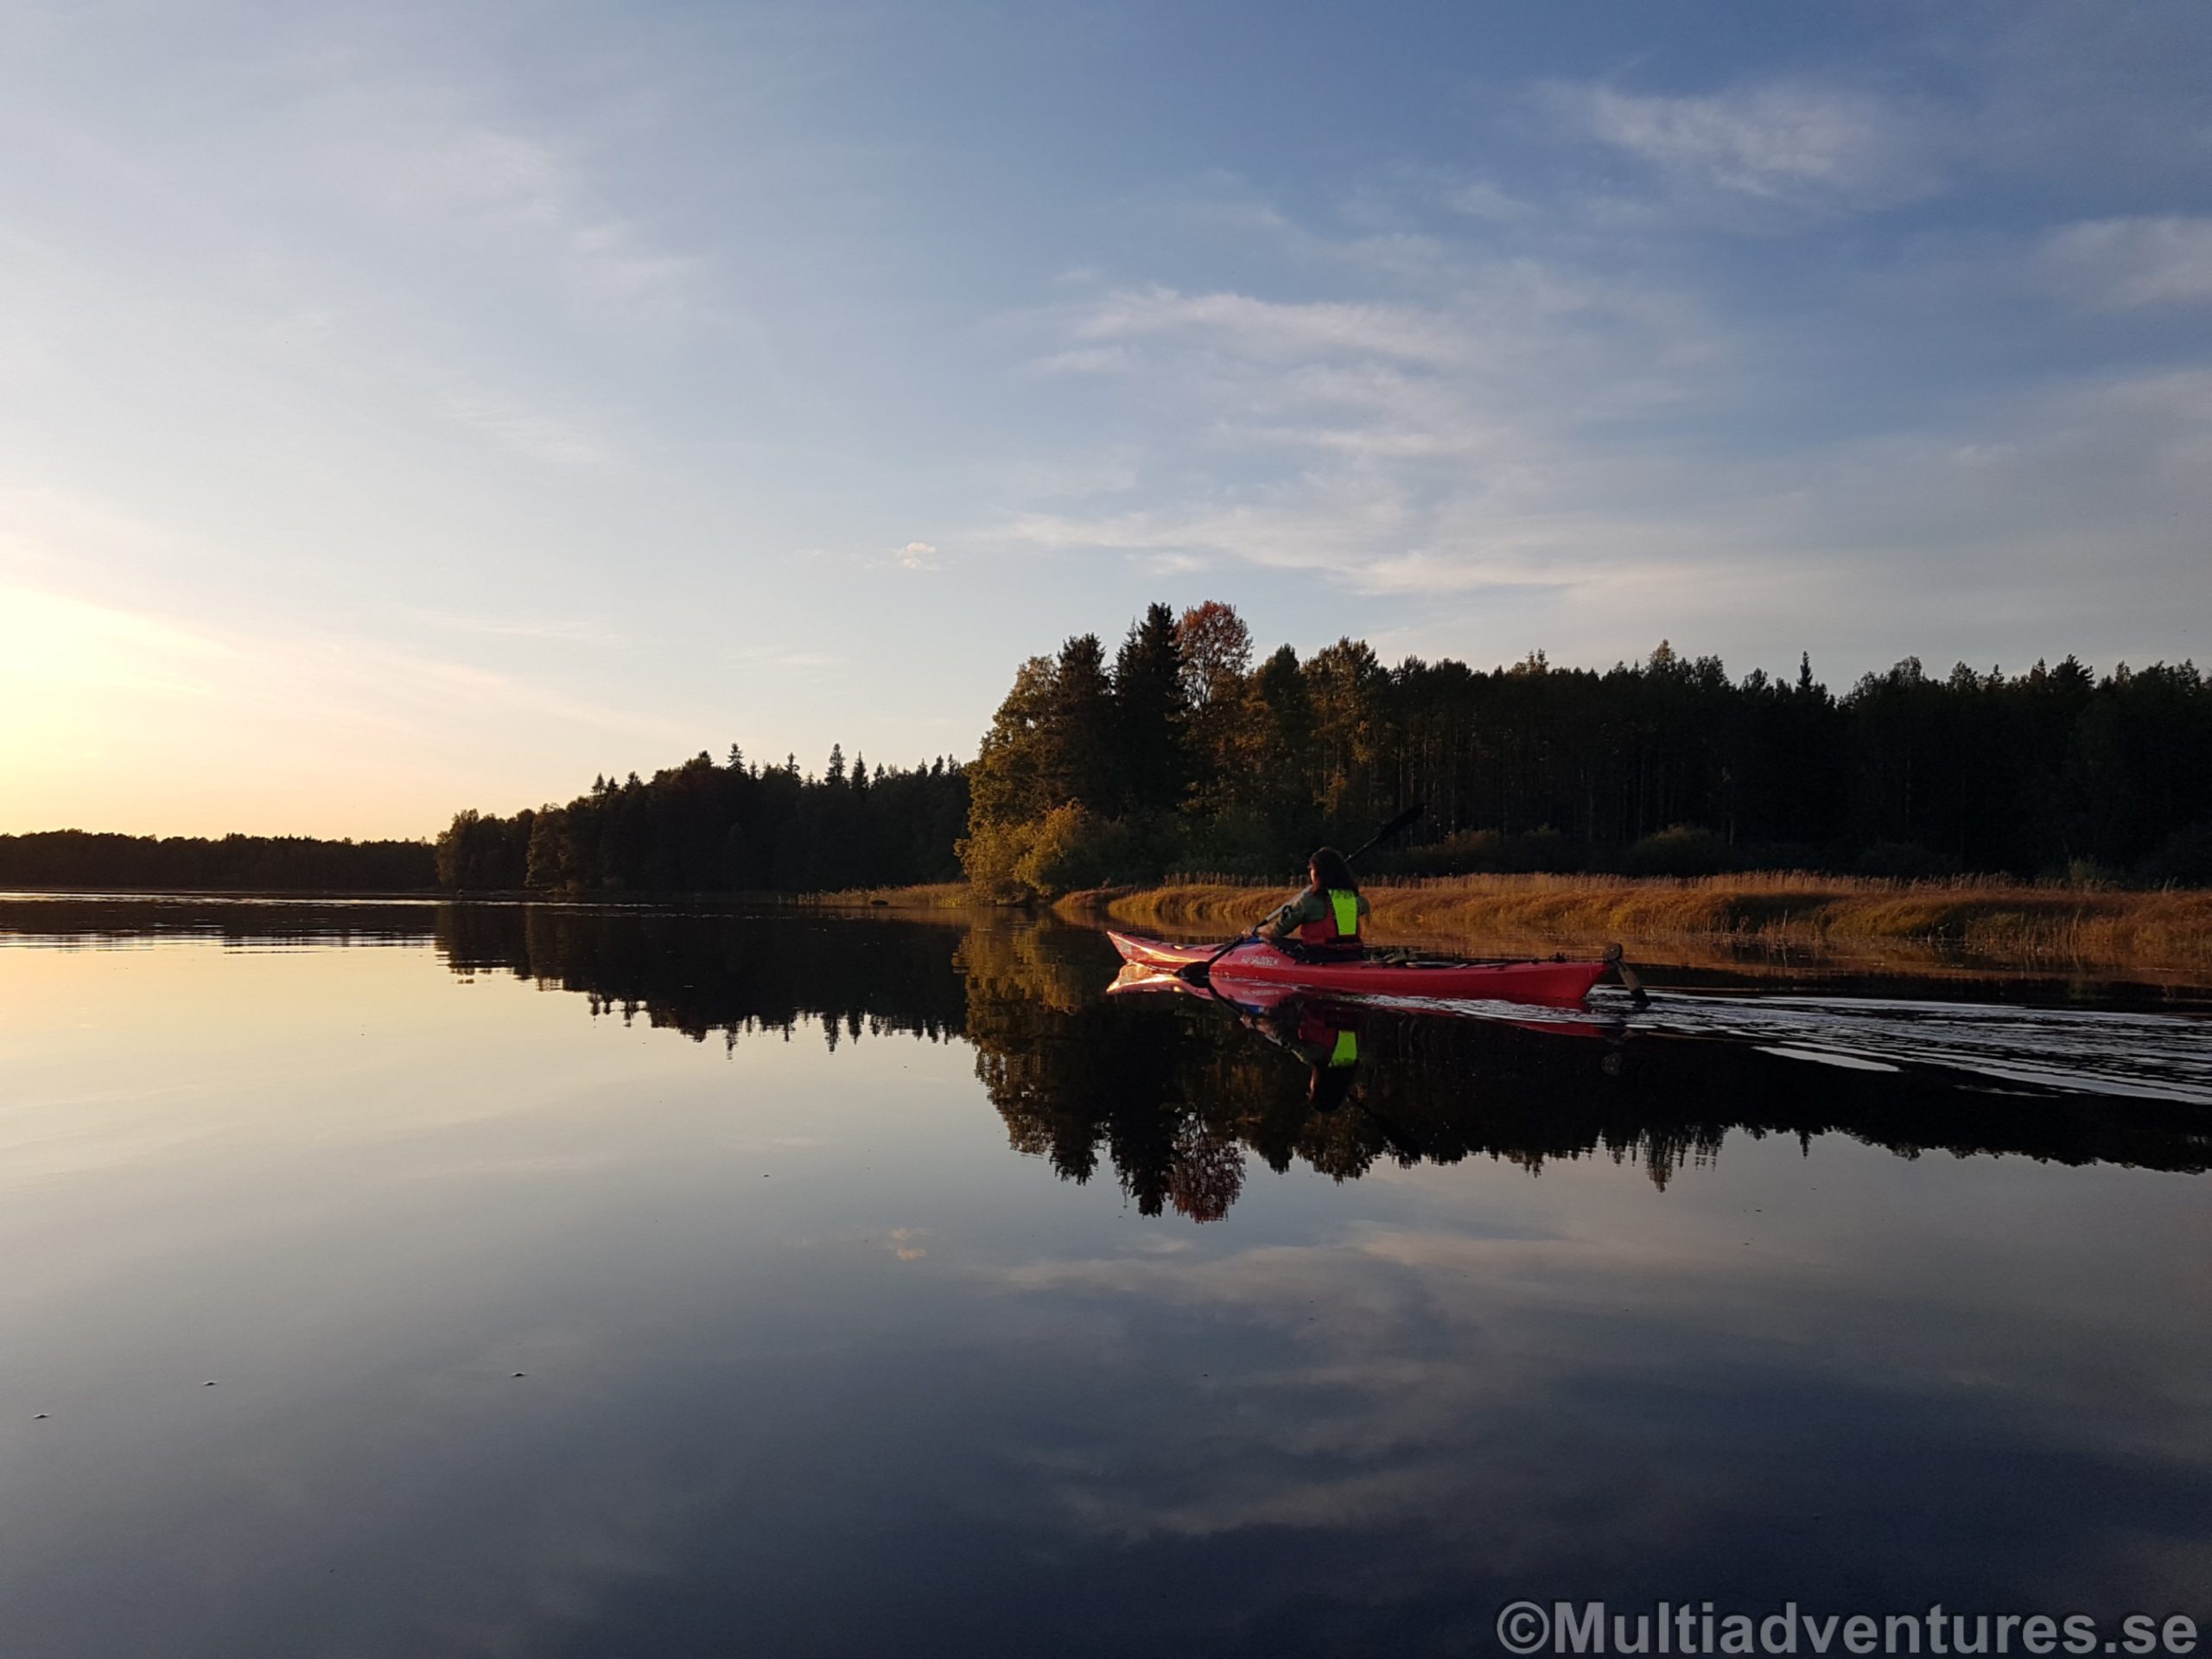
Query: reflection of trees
1075, 1073
211, 916
701, 972
1206, 1169
1174, 1090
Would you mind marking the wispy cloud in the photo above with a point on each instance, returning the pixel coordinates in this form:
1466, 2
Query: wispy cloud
781, 657
513, 627
1397, 447
917, 555
1796, 143
1481, 198
1272, 328
529, 432
2134, 262
438, 163
1528, 438
1085, 360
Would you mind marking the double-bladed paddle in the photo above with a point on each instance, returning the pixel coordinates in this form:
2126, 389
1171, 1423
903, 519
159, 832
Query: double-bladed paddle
1196, 972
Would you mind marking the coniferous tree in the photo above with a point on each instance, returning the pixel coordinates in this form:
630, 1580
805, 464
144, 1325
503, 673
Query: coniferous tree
1152, 715
1078, 748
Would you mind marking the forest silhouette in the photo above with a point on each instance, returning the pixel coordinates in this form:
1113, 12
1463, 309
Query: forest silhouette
1183, 751
729, 828
76, 858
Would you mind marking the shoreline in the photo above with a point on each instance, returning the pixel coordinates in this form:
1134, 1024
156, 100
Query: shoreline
1761, 922
1962, 922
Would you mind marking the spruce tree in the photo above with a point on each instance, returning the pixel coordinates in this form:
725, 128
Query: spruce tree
1077, 759
1152, 714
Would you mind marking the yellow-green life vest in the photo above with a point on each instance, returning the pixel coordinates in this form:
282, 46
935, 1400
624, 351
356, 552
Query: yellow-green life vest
1343, 923
1346, 906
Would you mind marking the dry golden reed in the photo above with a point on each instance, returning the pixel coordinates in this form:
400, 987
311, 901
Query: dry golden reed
934, 895
1990, 918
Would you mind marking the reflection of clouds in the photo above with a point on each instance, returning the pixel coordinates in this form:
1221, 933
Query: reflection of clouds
1345, 1503
563, 1560
1397, 1368
1550, 1399
519, 1167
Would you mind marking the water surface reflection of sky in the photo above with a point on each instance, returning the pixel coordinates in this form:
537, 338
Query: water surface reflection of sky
814, 1360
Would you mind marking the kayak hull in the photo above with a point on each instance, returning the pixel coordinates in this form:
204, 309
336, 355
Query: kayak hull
1260, 963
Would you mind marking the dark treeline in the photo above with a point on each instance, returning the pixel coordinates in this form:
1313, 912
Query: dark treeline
1182, 750
735, 827
75, 858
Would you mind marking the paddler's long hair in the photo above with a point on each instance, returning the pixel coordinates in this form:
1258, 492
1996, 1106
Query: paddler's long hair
1329, 870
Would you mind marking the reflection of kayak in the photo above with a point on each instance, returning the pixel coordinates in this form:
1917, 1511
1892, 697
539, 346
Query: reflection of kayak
1136, 978
1246, 997
1260, 963
1241, 996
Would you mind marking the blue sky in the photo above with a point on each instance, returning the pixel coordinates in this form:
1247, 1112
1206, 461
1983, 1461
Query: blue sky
405, 407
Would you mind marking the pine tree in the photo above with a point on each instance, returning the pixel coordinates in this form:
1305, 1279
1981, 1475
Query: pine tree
1152, 714
1078, 728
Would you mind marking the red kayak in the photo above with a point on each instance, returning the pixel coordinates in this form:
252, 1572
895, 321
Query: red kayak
1257, 961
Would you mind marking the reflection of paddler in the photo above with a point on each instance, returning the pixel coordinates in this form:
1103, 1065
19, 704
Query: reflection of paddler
1325, 1035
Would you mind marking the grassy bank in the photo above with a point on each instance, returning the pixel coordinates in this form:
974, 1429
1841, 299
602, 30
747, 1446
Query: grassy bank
934, 895
1993, 920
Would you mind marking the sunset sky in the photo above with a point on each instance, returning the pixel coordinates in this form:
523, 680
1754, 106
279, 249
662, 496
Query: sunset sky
405, 407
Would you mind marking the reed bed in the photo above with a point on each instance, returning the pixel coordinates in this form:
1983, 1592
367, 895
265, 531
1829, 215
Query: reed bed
1991, 918
934, 895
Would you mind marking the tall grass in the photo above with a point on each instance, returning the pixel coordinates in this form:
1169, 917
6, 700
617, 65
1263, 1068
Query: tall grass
1991, 918
934, 895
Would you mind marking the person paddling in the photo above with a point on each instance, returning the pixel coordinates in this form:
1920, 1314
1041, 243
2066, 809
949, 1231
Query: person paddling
1322, 923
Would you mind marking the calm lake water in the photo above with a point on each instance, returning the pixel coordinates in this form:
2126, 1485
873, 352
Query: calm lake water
591, 1282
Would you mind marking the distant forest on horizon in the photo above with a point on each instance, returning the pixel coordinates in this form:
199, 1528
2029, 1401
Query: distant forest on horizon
1183, 751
